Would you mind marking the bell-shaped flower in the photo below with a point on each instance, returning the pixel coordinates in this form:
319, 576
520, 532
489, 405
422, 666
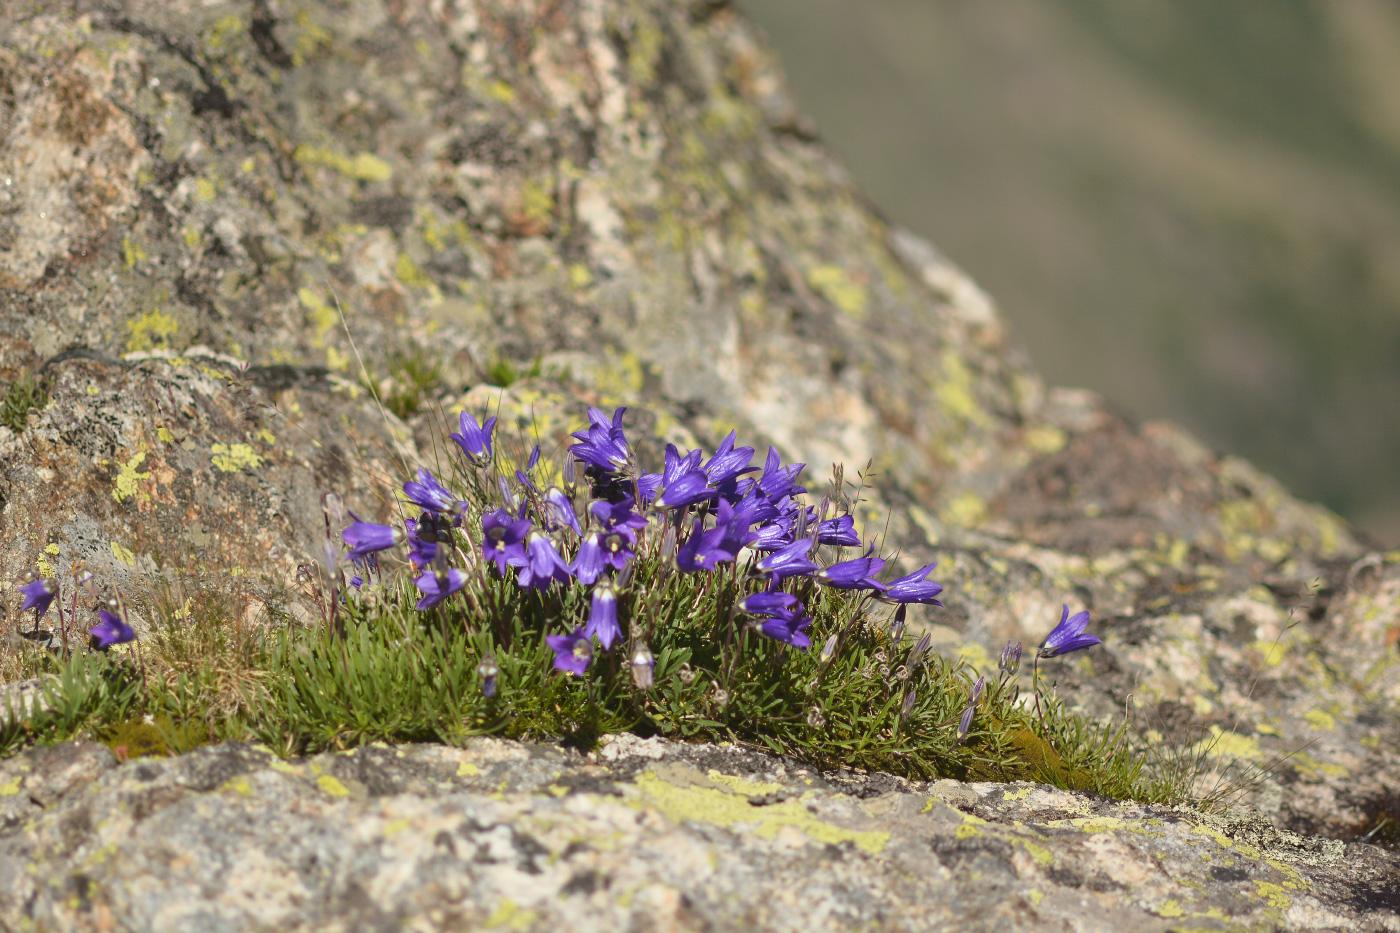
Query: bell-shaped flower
728, 462
473, 438
602, 616
788, 627
840, 531
1069, 635
768, 602
430, 495
914, 588
855, 574
503, 539
779, 481
572, 652
788, 561
686, 489
543, 565
603, 444
110, 630
366, 538
38, 595
589, 562
436, 587
618, 516
560, 510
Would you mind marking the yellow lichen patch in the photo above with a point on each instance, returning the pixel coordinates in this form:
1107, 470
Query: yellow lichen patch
323, 316
239, 785
1020, 793
11, 787
1272, 651
579, 276
975, 655
467, 769
132, 253
955, 390
499, 90
511, 915
1169, 909
833, 284
205, 189
1042, 856
310, 41
1320, 720
407, 272
741, 786
362, 166
966, 510
128, 483
151, 331
193, 237
1273, 894
230, 458
123, 554
967, 831
332, 786
164, 435
336, 360
536, 202
1045, 438
722, 808
1223, 743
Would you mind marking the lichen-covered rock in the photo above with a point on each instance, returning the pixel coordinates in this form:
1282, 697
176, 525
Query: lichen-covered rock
641, 835
623, 190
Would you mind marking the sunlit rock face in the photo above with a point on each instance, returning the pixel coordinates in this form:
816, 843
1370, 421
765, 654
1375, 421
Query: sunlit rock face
218, 219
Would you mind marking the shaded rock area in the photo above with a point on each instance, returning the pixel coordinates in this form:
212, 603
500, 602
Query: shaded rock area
640, 835
213, 214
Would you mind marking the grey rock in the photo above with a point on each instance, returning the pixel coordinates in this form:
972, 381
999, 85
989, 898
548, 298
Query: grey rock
639, 835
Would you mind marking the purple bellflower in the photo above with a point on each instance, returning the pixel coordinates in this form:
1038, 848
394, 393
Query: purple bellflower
110, 630
778, 481
704, 550
603, 444
430, 495
572, 652
768, 603
789, 627
38, 595
840, 531
728, 464
1069, 635
618, 516
543, 565
367, 538
789, 561
914, 588
588, 563
503, 539
474, 439
561, 510
431, 586
687, 489
602, 616
855, 574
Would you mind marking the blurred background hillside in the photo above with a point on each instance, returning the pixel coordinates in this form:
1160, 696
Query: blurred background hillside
1191, 206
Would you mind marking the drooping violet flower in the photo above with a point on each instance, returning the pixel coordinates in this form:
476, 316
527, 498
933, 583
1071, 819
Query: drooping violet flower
618, 516
38, 595
367, 538
773, 536
914, 588
572, 652
473, 438
602, 616
430, 495
779, 481
855, 574
431, 586
705, 550
561, 510
588, 563
897, 623
110, 630
789, 627
1069, 635
503, 539
789, 561
767, 603
543, 565
840, 531
523, 479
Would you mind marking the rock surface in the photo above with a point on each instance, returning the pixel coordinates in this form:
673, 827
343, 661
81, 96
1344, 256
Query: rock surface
641, 835
622, 189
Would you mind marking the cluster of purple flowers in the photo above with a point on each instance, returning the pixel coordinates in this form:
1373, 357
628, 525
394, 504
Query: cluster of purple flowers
709, 510
111, 628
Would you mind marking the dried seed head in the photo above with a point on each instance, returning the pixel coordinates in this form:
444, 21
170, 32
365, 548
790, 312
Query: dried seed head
879, 657
720, 697
884, 672
687, 673
901, 673
815, 719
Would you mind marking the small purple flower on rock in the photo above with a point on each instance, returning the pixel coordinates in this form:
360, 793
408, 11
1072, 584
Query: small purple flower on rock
110, 630
1069, 635
432, 588
543, 565
39, 594
474, 439
602, 617
572, 652
914, 588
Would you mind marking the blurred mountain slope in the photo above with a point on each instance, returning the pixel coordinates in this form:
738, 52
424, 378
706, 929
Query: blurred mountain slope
1191, 207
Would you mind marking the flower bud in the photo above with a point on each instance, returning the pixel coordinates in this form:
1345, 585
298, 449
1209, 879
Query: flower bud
829, 649
897, 623
643, 667
488, 672
1010, 660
